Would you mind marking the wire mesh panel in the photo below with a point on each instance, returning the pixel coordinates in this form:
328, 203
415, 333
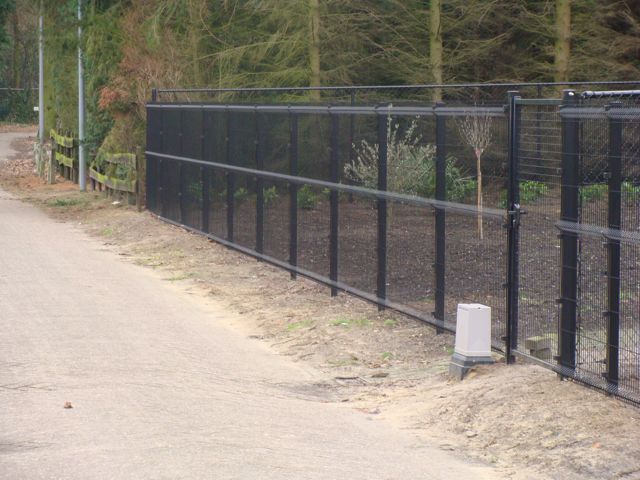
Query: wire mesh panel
410, 272
191, 182
170, 174
539, 156
475, 267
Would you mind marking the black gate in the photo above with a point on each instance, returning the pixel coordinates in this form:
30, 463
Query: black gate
578, 175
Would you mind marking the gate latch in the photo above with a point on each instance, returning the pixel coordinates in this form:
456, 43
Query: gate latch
514, 216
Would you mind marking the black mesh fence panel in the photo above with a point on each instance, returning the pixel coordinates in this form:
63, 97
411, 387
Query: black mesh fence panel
539, 154
411, 205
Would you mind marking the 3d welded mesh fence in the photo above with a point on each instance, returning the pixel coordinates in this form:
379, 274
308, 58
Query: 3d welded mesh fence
419, 207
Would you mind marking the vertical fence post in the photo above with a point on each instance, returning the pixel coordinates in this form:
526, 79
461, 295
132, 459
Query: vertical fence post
205, 154
231, 180
513, 226
293, 192
381, 291
440, 215
352, 119
613, 244
259, 140
538, 128
149, 176
181, 175
335, 178
151, 179
569, 196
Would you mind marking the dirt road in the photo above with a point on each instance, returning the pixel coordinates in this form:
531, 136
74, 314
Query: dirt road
159, 386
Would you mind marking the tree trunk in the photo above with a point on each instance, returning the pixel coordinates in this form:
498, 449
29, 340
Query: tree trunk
563, 40
435, 47
314, 46
15, 61
194, 41
479, 193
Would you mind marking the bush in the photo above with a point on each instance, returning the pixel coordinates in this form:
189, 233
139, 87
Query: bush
411, 166
458, 188
530, 191
590, 193
630, 189
240, 194
269, 195
408, 162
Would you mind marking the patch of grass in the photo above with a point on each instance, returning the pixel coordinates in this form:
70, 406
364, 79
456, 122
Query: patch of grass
390, 322
182, 276
67, 202
343, 362
386, 355
298, 325
341, 322
351, 322
106, 232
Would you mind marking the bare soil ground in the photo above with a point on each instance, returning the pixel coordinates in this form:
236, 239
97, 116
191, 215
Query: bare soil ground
520, 418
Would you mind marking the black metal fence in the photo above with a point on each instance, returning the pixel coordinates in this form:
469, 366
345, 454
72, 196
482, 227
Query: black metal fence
381, 201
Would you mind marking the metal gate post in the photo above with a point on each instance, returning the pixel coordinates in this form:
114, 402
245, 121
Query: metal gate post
259, 140
613, 244
335, 178
205, 154
381, 290
440, 215
513, 226
293, 193
569, 196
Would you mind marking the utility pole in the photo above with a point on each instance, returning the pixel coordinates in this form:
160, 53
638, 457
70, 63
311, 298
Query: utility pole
82, 162
41, 78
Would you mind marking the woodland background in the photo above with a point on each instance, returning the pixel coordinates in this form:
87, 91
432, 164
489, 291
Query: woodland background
134, 45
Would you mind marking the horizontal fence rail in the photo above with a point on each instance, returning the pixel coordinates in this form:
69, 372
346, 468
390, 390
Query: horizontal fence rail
385, 110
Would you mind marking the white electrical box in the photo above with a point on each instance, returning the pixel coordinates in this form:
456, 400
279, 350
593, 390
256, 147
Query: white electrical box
473, 330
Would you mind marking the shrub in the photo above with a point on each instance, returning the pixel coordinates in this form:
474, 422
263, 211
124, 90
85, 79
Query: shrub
458, 188
590, 193
240, 194
269, 195
530, 191
411, 166
408, 162
307, 198
630, 189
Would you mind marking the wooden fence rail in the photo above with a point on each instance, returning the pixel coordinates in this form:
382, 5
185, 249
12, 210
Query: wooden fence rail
116, 174
65, 152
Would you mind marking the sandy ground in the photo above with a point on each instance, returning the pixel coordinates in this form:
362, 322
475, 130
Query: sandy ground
520, 419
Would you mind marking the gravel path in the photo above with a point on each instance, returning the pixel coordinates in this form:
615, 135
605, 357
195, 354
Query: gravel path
160, 387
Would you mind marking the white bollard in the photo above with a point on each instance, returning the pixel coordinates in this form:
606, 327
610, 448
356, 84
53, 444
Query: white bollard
473, 339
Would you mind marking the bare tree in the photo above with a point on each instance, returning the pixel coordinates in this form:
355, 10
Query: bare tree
475, 130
